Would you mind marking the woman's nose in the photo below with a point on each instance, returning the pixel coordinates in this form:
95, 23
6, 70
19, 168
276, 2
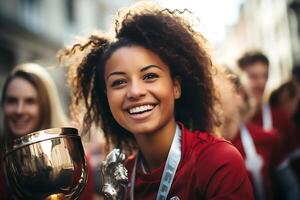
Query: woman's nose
136, 90
19, 107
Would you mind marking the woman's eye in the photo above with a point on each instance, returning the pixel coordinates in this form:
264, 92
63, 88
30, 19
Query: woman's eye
117, 83
150, 76
30, 101
10, 100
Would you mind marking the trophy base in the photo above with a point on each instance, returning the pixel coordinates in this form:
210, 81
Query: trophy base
58, 196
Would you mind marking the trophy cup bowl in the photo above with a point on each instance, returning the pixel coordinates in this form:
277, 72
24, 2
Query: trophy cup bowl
47, 164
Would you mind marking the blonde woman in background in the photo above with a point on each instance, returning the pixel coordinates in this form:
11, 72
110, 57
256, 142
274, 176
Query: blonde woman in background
30, 102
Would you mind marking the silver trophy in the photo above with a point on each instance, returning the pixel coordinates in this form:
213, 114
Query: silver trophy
114, 176
46, 165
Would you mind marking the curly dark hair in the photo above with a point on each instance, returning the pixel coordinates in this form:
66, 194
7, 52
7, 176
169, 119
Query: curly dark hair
252, 57
171, 37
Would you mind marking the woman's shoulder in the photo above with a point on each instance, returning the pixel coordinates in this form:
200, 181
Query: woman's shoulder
216, 151
202, 139
215, 161
210, 148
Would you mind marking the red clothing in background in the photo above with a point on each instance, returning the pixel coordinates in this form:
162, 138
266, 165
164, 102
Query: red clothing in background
290, 133
267, 145
210, 168
284, 124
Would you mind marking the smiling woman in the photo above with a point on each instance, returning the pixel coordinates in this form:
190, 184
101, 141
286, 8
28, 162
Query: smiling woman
150, 88
30, 102
21, 109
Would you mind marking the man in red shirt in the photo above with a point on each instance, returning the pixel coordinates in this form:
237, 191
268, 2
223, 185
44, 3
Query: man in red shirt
256, 66
266, 146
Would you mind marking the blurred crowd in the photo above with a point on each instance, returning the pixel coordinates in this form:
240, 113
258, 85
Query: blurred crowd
264, 127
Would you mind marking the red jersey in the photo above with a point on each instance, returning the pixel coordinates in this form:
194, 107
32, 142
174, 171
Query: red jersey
210, 168
283, 123
267, 146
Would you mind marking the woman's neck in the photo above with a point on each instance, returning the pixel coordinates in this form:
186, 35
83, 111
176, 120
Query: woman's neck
155, 146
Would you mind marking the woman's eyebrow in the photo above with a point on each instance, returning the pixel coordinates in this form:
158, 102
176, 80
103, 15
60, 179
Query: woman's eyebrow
115, 73
150, 66
143, 69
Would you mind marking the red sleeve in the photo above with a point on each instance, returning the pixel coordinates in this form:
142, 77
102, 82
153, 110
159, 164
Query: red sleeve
228, 178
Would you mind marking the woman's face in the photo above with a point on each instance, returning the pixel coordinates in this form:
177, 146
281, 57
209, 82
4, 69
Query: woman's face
140, 90
258, 77
21, 108
231, 104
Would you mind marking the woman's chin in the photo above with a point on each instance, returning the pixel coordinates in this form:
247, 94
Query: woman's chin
21, 131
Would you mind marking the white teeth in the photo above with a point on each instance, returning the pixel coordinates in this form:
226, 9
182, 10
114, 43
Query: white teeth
140, 109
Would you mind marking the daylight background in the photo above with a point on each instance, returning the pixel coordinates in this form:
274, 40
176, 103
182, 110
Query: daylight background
34, 30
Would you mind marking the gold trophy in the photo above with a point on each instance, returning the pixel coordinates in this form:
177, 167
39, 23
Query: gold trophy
46, 165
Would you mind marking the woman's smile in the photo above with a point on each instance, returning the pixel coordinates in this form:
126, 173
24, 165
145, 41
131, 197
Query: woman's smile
141, 112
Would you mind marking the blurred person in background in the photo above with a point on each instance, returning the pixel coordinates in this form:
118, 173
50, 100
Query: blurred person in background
256, 65
295, 162
30, 103
258, 147
296, 79
287, 98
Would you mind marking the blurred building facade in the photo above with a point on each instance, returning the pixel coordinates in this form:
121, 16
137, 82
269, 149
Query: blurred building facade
269, 26
34, 30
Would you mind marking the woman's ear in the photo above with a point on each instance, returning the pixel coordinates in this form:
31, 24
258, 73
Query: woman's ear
177, 88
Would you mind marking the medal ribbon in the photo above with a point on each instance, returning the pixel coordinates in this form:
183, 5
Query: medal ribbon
253, 161
267, 117
168, 175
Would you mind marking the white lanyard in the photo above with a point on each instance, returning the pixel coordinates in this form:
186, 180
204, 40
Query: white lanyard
267, 117
171, 165
253, 161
